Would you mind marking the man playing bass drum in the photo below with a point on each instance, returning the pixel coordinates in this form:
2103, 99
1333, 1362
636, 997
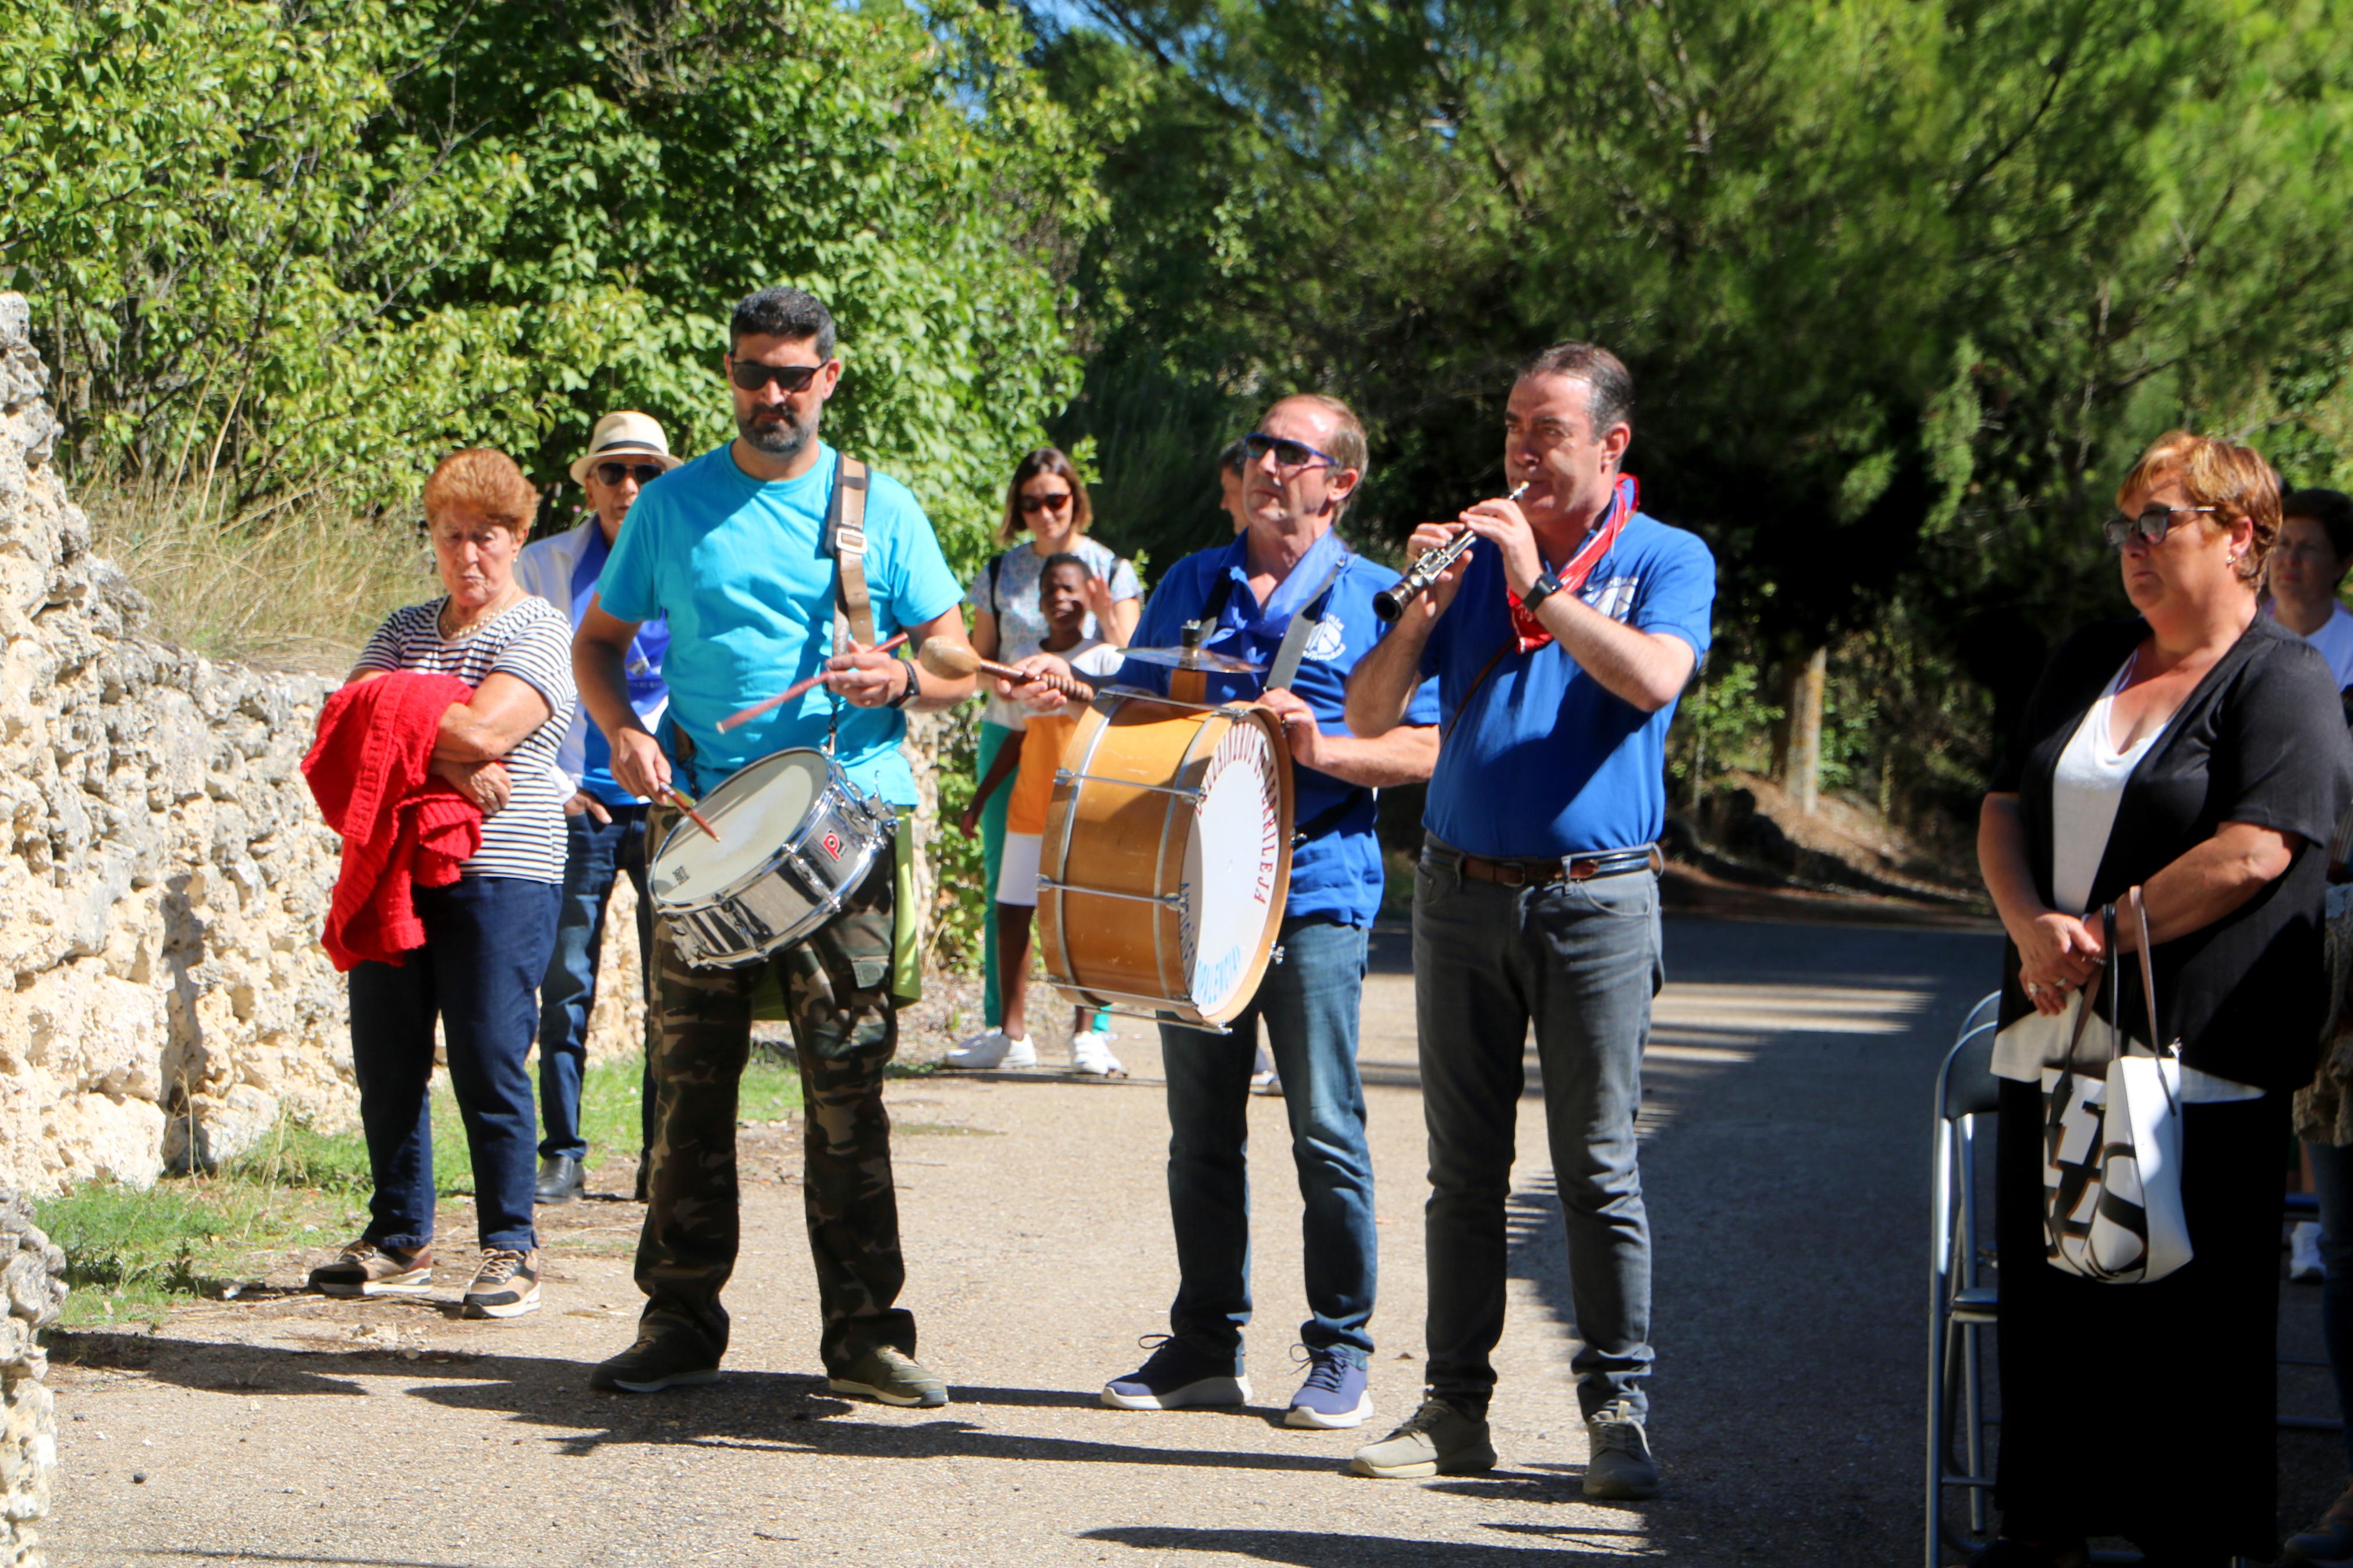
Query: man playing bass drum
1561, 641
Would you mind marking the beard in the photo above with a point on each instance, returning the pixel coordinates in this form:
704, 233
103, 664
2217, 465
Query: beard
779, 434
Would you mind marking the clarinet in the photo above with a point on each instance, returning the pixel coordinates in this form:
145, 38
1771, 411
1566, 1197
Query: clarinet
1390, 603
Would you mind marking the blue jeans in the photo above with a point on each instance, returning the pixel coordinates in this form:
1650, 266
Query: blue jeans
1308, 1004
2332, 1183
596, 855
486, 944
1581, 961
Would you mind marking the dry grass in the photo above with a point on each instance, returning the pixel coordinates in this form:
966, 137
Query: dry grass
297, 584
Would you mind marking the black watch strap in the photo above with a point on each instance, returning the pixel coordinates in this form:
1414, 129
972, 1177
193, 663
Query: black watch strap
1543, 588
915, 686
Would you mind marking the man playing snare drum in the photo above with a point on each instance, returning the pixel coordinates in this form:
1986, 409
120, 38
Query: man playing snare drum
733, 551
1301, 467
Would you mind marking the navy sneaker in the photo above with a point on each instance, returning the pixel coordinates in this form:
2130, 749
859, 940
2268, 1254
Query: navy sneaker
1176, 1377
1336, 1394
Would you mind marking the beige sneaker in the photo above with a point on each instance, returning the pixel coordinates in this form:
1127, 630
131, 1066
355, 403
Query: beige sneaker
1436, 1440
506, 1286
363, 1268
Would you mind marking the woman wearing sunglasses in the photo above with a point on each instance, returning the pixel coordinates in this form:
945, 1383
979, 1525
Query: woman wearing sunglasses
1009, 624
2195, 752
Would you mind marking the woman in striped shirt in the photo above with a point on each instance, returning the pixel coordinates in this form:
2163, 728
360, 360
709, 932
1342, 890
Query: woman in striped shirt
487, 935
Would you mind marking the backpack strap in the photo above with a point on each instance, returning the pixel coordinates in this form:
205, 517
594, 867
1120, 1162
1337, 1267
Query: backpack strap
995, 570
845, 541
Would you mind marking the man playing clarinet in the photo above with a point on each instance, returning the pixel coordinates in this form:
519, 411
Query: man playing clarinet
1560, 642
751, 552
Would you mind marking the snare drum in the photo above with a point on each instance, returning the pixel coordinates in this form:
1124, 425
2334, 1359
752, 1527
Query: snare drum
1167, 857
795, 839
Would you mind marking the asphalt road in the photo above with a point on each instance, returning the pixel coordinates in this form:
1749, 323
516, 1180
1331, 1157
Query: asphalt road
1786, 1124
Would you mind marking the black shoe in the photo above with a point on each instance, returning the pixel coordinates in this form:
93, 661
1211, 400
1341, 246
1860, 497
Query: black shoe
2326, 1541
655, 1363
645, 1178
561, 1180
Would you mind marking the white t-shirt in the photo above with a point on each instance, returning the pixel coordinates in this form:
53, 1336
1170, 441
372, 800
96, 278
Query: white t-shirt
2335, 641
2084, 792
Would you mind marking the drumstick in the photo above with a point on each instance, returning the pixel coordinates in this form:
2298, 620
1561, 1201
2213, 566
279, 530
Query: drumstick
954, 662
685, 803
797, 689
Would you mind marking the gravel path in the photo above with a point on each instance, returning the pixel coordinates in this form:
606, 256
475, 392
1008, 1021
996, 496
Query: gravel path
1786, 1166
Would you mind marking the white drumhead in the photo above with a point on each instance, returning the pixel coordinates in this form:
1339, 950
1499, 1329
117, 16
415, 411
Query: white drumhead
1230, 865
755, 810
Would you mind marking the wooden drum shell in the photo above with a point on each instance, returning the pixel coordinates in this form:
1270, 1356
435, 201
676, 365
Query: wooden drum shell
1112, 867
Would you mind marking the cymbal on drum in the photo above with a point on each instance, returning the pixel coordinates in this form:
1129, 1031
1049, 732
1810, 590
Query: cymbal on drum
1196, 658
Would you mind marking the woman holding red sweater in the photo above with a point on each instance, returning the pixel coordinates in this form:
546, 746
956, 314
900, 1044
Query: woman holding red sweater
487, 935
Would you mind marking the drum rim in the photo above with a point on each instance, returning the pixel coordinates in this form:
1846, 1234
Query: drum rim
836, 784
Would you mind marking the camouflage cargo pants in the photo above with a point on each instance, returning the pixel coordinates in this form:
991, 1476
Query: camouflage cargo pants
845, 1027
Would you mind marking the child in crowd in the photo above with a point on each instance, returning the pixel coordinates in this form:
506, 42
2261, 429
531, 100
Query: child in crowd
1030, 758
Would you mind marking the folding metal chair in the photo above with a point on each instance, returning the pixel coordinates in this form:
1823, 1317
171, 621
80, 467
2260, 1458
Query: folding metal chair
1961, 1305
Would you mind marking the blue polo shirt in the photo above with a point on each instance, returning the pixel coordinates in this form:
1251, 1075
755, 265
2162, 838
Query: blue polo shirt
1337, 872
1545, 761
736, 566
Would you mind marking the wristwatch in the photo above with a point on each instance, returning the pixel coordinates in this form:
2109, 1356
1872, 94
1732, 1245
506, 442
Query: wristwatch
1543, 588
915, 686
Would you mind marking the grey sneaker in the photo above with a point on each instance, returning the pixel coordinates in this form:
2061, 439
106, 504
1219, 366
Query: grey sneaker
1620, 1468
888, 1377
1436, 1440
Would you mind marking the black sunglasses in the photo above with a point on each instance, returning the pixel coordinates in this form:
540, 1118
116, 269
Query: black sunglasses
2153, 524
1054, 503
751, 375
614, 473
1288, 453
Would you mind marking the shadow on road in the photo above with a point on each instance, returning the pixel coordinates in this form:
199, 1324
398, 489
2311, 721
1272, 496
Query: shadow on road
1325, 1550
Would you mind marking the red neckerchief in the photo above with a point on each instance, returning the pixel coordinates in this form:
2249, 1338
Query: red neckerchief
1531, 631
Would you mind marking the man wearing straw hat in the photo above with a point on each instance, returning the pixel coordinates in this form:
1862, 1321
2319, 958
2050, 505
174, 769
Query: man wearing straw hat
605, 825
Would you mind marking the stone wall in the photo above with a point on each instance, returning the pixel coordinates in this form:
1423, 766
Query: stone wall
164, 873
31, 1280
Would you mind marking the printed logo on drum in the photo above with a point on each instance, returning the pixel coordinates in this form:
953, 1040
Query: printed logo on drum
832, 842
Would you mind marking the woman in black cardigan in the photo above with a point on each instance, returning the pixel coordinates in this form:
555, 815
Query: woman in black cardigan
2196, 751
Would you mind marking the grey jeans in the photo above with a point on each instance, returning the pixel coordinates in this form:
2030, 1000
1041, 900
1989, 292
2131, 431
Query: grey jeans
1581, 961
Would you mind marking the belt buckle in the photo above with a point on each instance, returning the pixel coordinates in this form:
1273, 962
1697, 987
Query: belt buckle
1510, 874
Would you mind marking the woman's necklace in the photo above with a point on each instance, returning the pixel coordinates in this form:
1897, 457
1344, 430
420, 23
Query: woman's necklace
489, 613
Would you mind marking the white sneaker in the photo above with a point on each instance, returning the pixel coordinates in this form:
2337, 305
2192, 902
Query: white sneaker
2304, 1263
1266, 1083
1091, 1053
994, 1048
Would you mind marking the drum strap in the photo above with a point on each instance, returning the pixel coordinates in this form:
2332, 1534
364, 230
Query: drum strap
845, 541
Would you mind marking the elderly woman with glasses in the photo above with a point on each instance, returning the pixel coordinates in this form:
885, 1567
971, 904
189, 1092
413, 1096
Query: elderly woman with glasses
2195, 752
1008, 624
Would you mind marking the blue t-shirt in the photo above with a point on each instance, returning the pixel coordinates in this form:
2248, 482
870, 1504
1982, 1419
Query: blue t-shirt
1337, 872
735, 565
1546, 761
643, 667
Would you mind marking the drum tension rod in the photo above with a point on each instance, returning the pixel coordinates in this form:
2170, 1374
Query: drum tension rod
1171, 900
1065, 776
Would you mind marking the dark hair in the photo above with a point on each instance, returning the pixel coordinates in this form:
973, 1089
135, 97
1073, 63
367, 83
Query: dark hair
1608, 385
1043, 461
1234, 458
2333, 509
1062, 558
782, 312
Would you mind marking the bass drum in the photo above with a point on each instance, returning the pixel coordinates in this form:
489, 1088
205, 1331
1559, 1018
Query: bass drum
1167, 857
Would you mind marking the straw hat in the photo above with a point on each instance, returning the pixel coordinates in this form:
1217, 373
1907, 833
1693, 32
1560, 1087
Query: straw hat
626, 434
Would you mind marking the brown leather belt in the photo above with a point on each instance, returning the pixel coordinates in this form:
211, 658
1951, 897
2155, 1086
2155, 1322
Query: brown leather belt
1567, 868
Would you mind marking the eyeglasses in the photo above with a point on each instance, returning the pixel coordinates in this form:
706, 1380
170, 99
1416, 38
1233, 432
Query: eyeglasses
1288, 453
2153, 524
614, 473
751, 375
1054, 503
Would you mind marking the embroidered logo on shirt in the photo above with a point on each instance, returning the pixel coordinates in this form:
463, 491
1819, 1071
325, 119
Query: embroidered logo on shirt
1614, 598
1327, 641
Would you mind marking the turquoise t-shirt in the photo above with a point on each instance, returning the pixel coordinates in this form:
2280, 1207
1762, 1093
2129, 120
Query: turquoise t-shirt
733, 565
